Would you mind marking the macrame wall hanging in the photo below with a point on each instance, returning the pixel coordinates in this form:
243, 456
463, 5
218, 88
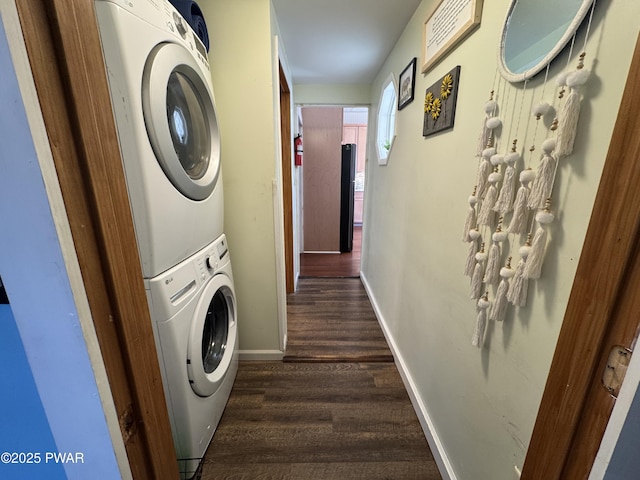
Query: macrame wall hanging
510, 210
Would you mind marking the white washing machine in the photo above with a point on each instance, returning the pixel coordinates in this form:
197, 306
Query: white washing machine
166, 118
193, 309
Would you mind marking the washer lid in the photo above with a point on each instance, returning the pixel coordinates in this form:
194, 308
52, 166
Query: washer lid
181, 120
212, 336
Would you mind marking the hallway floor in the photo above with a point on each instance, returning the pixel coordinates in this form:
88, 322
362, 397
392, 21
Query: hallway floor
334, 264
321, 419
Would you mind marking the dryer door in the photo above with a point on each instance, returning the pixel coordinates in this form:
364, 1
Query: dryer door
181, 121
212, 336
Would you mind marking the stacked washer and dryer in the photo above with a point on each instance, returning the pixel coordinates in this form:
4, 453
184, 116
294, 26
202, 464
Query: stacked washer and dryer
165, 114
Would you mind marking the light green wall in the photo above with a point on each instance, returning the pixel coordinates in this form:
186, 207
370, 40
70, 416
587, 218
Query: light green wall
242, 73
343, 94
481, 403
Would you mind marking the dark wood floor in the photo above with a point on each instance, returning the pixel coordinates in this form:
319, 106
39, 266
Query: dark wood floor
319, 421
334, 264
324, 414
331, 319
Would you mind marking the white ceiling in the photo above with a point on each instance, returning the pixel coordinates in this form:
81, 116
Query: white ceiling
340, 41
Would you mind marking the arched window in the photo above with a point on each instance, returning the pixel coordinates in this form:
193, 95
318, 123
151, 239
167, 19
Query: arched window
386, 128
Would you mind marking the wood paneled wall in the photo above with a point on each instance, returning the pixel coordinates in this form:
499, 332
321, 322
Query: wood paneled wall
322, 137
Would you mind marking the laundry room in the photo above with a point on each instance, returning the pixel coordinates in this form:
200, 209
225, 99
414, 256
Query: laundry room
154, 262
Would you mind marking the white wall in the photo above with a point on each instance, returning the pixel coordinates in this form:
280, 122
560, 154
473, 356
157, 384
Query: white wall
243, 79
480, 404
346, 94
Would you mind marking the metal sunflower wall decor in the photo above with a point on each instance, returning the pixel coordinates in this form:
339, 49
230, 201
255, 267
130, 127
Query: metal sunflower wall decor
440, 103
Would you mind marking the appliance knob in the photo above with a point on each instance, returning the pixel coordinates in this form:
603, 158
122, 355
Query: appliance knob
211, 262
179, 25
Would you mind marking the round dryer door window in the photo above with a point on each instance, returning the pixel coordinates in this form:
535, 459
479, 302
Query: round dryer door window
181, 120
212, 337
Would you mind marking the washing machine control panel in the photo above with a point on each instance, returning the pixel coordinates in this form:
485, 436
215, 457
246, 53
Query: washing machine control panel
210, 260
172, 289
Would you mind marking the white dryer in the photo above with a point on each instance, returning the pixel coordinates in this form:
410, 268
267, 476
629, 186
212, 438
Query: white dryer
166, 118
193, 309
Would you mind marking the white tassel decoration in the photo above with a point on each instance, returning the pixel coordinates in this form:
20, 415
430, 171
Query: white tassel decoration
483, 172
496, 160
481, 322
483, 138
471, 220
478, 273
493, 123
489, 108
533, 267
540, 110
487, 215
519, 219
543, 183
500, 304
476, 281
568, 125
561, 79
492, 270
517, 294
473, 249
570, 112
504, 204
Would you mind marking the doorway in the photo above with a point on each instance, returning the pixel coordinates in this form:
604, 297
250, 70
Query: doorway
330, 135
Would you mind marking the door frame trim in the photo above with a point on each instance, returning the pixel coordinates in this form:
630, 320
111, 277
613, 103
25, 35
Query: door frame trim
65, 55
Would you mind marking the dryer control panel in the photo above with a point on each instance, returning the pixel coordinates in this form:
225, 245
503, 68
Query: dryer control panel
163, 15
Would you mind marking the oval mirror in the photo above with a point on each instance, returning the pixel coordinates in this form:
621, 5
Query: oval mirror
534, 32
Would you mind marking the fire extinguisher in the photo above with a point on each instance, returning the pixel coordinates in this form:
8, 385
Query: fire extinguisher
297, 142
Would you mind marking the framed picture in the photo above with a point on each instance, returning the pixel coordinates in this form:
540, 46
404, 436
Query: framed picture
440, 103
448, 24
407, 84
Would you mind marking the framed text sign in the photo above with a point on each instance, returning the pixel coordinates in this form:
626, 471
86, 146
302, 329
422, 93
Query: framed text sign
449, 23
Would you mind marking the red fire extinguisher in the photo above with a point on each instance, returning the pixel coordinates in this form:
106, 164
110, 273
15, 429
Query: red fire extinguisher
297, 142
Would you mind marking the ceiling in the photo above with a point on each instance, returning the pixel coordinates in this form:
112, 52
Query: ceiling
340, 41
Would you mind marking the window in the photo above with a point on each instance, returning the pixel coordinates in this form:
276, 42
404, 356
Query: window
386, 131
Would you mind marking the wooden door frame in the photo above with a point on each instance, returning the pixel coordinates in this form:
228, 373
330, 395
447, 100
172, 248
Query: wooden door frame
65, 55
601, 313
287, 185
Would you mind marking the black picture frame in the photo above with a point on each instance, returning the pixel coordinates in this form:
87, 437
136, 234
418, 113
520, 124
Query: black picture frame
407, 84
440, 103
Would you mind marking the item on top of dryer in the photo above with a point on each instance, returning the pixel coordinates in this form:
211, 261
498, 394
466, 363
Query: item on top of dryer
194, 17
163, 103
193, 311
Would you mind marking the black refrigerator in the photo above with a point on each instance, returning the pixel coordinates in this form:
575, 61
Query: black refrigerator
347, 192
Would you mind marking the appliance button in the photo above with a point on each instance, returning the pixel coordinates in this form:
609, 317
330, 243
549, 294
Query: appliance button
179, 25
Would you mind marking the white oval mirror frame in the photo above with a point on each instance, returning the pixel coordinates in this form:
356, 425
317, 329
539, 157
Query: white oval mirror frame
386, 119
534, 32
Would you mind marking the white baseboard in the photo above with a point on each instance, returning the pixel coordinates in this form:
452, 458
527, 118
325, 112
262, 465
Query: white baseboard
260, 355
436, 446
323, 252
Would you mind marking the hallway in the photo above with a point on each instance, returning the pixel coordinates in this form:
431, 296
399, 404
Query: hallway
322, 414
334, 264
